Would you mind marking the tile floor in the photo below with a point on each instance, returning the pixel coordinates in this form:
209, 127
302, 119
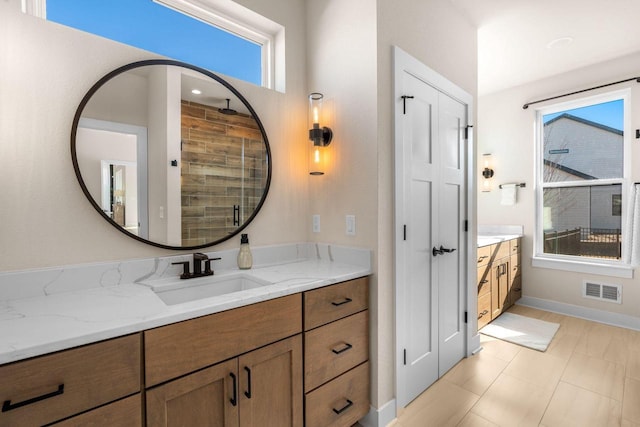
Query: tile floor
589, 376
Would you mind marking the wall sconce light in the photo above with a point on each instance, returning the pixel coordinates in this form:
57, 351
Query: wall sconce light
320, 136
487, 173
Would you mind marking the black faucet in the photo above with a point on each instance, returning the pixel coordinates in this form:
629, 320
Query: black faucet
197, 266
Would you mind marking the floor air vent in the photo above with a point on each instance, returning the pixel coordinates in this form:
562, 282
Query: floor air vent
602, 291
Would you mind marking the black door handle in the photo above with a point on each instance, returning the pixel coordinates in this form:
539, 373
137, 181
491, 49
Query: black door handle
248, 392
441, 251
234, 399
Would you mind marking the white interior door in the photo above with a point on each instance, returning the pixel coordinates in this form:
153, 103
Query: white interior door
451, 206
430, 237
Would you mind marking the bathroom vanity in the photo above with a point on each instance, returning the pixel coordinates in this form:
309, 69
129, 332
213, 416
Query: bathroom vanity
292, 352
499, 279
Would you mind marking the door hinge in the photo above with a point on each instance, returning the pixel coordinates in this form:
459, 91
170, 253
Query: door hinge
404, 232
466, 225
466, 131
405, 356
466, 315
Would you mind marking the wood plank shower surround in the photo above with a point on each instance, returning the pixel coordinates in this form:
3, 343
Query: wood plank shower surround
212, 171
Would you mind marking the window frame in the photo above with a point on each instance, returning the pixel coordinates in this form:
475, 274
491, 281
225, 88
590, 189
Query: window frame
227, 16
582, 264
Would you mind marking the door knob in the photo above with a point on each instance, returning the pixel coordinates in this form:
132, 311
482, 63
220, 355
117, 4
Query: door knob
446, 250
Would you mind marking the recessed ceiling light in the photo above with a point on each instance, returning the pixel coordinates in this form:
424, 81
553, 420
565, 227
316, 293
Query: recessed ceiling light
196, 91
559, 42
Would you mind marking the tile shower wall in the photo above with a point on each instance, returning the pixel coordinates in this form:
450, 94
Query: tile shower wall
223, 166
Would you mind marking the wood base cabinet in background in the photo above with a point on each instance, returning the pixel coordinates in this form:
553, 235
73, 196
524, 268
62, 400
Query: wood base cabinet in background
499, 279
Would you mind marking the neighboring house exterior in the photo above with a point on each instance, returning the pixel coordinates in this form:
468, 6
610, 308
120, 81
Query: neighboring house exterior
576, 149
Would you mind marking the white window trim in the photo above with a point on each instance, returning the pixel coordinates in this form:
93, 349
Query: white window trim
228, 16
615, 268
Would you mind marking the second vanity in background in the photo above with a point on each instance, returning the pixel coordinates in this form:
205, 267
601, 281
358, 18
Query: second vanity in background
499, 278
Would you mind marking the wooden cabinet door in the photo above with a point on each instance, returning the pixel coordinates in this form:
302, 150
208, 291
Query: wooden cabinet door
499, 287
496, 301
207, 398
270, 387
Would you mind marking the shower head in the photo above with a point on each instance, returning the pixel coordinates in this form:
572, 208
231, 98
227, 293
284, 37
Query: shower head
227, 110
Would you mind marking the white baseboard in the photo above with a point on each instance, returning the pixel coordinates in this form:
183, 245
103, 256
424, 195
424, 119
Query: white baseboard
380, 417
614, 319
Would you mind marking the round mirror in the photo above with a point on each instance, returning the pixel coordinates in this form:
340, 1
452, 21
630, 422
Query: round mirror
171, 154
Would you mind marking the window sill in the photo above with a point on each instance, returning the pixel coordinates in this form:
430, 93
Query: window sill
604, 269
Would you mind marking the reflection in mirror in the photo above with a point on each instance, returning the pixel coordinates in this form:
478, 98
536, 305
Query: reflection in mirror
171, 154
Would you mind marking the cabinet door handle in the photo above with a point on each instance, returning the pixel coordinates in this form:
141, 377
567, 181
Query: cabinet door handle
342, 350
248, 392
234, 399
344, 408
485, 312
8, 406
346, 300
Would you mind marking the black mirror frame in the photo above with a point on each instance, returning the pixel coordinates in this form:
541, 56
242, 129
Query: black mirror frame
138, 64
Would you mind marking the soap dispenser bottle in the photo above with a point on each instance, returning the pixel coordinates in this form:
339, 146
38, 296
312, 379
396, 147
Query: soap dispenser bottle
245, 259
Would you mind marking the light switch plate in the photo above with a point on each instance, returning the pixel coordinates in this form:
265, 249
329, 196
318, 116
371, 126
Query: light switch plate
351, 225
316, 223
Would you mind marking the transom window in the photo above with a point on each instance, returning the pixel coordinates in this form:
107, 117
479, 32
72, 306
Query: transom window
581, 179
186, 30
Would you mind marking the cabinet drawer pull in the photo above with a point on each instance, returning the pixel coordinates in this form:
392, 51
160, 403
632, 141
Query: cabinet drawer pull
234, 399
482, 282
248, 392
346, 300
344, 408
517, 289
482, 258
8, 406
342, 350
483, 313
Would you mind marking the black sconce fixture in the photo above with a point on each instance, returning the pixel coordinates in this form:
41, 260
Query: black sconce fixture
321, 136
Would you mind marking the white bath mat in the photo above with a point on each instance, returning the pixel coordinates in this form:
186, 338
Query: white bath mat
521, 330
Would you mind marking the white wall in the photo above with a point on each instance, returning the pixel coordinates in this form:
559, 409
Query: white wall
45, 70
506, 131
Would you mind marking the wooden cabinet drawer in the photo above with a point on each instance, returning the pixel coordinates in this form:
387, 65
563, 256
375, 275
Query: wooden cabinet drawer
500, 250
341, 402
484, 280
334, 302
514, 265
181, 348
123, 413
514, 246
484, 309
335, 348
69, 382
484, 255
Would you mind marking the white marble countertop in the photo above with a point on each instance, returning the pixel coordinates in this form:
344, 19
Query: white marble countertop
52, 321
492, 234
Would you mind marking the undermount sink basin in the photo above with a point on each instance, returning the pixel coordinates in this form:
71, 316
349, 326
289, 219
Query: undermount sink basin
206, 287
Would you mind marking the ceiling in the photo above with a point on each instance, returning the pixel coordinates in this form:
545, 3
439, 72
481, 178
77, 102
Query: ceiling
516, 37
